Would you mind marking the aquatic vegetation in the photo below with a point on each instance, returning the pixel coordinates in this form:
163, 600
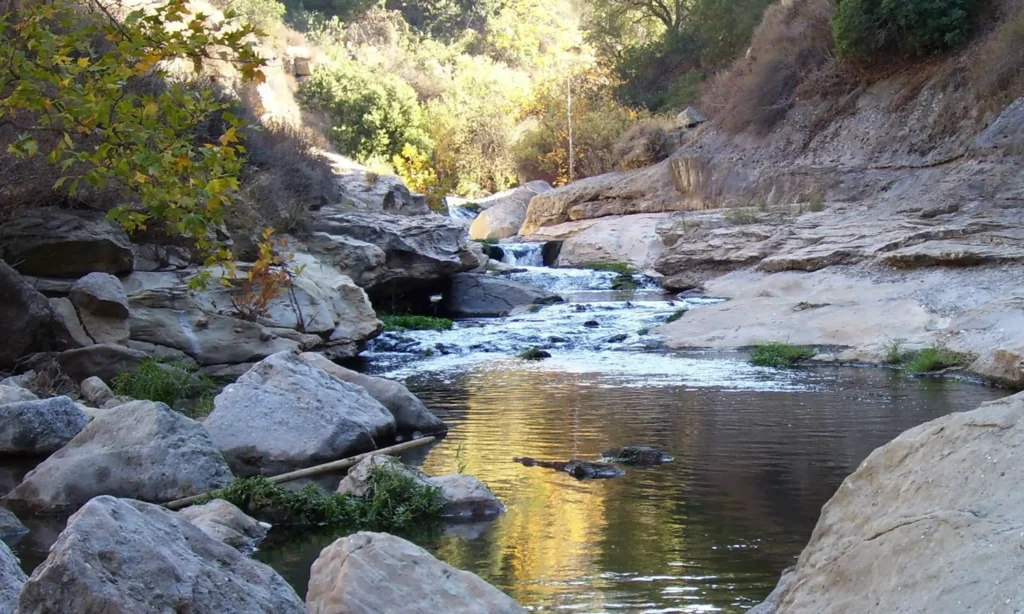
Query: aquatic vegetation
677, 314
624, 282
168, 383
395, 502
534, 354
622, 268
935, 359
779, 355
400, 323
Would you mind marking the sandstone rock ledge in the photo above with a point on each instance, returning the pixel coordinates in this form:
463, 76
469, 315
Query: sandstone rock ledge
931, 522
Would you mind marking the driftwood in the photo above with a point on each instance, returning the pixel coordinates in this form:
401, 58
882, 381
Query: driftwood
330, 467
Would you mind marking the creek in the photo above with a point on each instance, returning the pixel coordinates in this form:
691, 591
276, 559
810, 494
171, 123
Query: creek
757, 452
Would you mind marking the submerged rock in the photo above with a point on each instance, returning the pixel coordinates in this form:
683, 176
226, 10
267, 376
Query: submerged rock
577, 468
223, 521
143, 450
641, 456
119, 556
12, 578
39, 427
286, 413
936, 512
370, 573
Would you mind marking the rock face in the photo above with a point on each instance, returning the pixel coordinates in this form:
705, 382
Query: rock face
920, 518
466, 498
142, 449
27, 323
408, 411
39, 427
349, 577
286, 413
119, 556
225, 522
504, 213
59, 243
473, 295
635, 240
12, 578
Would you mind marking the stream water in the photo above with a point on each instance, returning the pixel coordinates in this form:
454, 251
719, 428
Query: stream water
757, 452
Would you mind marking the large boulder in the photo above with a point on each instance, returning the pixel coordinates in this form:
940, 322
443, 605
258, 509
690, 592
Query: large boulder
104, 360
39, 427
100, 294
118, 556
409, 412
27, 323
286, 413
504, 213
223, 521
933, 515
60, 243
473, 295
375, 572
143, 450
12, 579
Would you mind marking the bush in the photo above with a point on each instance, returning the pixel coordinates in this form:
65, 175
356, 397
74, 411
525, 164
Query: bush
264, 15
779, 355
400, 323
676, 315
863, 29
372, 114
164, 382
740, 216
644, 144
935, 359
999, 73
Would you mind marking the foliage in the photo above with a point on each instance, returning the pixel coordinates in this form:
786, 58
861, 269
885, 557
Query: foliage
816, 204
267, 279
400, 323
89, 94
395, 501
164, 382
263, 15
622, 268
865, 28
417, 171
935, 359
534, 354
676, 315
624, 282
460, 462
779, 355
894, 351
740, 216
643, 144
371, 114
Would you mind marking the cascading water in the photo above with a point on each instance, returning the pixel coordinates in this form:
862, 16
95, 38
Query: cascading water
523, 254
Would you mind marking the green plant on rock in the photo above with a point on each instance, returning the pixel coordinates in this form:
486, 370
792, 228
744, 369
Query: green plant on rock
816, 204
534, 354
894, 351
676, 315
401, 323
741, 216
624, 282
935, 359
166, 382
622, 268
779, 355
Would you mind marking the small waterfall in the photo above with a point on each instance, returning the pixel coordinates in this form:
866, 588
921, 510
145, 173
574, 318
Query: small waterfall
523, 254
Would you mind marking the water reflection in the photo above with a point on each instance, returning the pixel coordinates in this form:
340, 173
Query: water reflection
708, 532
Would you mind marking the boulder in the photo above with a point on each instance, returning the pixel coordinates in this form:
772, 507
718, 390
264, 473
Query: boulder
95, 391
39, 427
286, 413
370, 573
409, 412
505, 212
365, 190
119, 556
60, 243
473, 295
225, 522
15, 394
101, 294
690, 117
934, 514
27, 323
363, 262
1001, 366
67, 316
12, 579
141, 449
466, 497
105, 361
10, 525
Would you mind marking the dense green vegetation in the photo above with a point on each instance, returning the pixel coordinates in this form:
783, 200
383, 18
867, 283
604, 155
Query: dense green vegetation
534, 354
622, 268
676, 315
168, 383
400, 323
865, 28
779, 355
395, 502
935, 359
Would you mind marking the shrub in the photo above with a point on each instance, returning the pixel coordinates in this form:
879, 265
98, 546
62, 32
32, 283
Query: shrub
400, 323
779, 355
999, 72
894, 351
644, 144
676, 315
622, 268
863, 29
816, 204
740, 216
164, 382
935, 359
264, 15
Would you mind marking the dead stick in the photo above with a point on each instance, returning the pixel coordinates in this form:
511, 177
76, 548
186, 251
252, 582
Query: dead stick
332, 466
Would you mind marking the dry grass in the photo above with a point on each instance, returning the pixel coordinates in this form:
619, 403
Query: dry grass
644, 144
998, 71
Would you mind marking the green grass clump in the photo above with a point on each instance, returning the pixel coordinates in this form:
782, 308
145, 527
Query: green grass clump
816, 204
677, 314
474, 207
935, 359
894, 352
394, 502
624, 282
487, 242
534, 354
779, 355
622, 268
168, 383
741, 216
400, 323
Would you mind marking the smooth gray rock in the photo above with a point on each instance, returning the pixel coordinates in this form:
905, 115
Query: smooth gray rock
100, 294
12, 578
370, 573
409, 412
223, 521
61, 243
39, 427
690, 117
142, 449
505, 212
10, 525
23, 380
473, 295
15, 394
67, 315
27, 323
285, 413
118, 556
96, 391
104, 360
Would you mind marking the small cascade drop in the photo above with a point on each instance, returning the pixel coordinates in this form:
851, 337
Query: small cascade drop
523, 254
